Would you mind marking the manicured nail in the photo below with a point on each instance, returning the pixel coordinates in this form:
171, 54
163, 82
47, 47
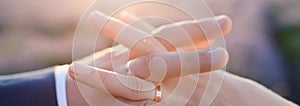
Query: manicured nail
81, 69
129, 16
98, 18
222, 19
216, 54
139, 22
224, 23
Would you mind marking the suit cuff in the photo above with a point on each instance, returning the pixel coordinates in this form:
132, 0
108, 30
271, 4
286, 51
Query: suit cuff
60, 82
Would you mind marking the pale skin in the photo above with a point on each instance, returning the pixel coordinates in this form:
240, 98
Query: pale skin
202, 55
233, 87
226, 94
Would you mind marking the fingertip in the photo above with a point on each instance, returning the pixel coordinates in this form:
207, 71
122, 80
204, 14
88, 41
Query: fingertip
72, 75
225, 23
226, 56
97, 18
219, 58
80, 68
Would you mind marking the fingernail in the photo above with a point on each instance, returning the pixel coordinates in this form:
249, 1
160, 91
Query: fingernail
224, 22
81, 69
221, 19
130, 16
98, 18
216, 54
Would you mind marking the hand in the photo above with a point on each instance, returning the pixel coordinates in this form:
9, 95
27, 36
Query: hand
171, 36
134, 39
232, 89
120, 85
113, 85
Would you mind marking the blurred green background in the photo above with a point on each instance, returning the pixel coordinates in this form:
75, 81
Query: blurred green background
286, 33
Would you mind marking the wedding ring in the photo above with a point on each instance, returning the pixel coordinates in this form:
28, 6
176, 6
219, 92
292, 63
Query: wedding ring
128, 71
158, 94
145, 40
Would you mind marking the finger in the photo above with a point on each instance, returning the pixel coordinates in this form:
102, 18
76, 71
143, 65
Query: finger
188, 33
125, 34
176, 64
136, 22
111, 58
145, 26
104, 59
181, 34
129, 87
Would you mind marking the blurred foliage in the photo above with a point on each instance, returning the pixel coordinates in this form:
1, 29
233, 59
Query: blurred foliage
287, 38
289, 42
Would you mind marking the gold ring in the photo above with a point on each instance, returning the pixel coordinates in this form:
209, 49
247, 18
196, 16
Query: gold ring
158, 94
127, 67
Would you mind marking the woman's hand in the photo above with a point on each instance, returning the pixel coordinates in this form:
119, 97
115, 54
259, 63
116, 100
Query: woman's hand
165, 38
172, 65
140, 47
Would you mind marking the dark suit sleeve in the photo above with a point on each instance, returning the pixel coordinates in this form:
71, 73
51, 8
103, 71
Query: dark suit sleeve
35, 88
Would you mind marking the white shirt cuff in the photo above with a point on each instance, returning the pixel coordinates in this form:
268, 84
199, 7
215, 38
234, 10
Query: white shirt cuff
60, 83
